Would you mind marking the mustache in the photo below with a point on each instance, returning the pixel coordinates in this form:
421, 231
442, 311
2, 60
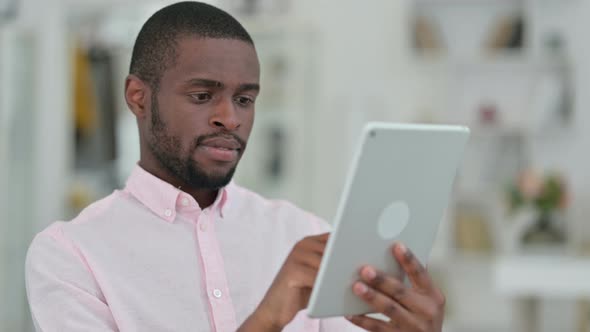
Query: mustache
229, 136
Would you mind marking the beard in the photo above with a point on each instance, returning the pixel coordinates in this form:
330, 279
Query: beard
167, 149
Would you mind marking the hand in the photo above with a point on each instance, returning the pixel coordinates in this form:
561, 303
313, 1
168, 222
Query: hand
291, 288
418, 308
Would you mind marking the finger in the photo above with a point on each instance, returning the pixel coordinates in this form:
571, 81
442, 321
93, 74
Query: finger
317, 247
313, 243
305, 296
385, 305
305, 276
308, 258
311, 248
372, 324
395, 289
416, 272
322, 237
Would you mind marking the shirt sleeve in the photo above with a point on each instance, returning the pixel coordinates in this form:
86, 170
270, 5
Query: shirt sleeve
338, 324
62, 291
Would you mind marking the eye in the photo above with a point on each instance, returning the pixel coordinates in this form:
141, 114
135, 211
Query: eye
244, 100
201, 97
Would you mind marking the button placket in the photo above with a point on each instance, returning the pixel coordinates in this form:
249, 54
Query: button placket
203, 221
215, 279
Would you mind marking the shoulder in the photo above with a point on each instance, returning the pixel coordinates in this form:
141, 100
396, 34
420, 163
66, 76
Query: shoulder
98, 210
52, 256
57, 234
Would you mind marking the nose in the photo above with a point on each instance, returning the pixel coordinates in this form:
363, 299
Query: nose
225, 116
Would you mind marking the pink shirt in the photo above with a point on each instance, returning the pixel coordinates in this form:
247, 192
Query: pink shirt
148, 258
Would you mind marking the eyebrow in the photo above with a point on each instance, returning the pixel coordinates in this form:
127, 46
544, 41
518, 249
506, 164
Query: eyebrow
202, 82
249, 87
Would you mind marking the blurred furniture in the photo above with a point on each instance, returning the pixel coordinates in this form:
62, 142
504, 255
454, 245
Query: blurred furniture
529, 279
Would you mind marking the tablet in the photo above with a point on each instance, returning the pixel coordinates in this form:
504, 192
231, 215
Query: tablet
397, 190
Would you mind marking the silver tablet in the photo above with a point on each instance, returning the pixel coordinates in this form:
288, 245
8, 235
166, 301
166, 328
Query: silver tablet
397, 190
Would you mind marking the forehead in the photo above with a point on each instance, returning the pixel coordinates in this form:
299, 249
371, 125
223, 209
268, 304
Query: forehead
226, 60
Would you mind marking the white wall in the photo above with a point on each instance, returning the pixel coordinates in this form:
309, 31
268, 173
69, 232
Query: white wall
53, 119
4, 116
36, 142
361, 47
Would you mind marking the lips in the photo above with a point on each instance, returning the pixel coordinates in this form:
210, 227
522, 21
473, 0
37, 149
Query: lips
222, 143
220, 149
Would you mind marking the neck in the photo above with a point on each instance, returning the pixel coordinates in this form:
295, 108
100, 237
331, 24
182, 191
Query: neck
204, 197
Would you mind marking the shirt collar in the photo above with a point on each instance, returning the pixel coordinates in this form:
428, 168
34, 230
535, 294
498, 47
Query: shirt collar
162, 198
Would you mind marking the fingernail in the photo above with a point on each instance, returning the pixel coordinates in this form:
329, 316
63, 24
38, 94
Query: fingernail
369, 273
402, 248
360, 288
349, 317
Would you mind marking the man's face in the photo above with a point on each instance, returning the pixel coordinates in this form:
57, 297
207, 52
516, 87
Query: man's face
203, 111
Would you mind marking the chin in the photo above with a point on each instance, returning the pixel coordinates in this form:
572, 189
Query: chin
226, 174
213, 176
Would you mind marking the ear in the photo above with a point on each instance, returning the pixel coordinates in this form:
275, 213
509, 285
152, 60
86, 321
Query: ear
137, 95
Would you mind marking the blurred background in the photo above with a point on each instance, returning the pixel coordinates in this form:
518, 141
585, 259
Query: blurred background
512, 251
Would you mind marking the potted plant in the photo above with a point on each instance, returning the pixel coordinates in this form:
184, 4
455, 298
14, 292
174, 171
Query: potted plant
545, 194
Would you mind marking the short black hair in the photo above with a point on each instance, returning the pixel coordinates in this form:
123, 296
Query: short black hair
155, 47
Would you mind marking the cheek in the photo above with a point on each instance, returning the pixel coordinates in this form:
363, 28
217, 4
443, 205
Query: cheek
177, 137
247, 123
186, 126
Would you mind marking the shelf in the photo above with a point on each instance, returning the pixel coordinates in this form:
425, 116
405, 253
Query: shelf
508, 62
520, 276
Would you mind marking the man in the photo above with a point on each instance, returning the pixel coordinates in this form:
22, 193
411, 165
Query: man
181, 247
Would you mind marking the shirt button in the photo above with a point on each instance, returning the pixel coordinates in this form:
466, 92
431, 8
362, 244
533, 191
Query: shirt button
217, 293
203, 226
184, 202
168, 212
